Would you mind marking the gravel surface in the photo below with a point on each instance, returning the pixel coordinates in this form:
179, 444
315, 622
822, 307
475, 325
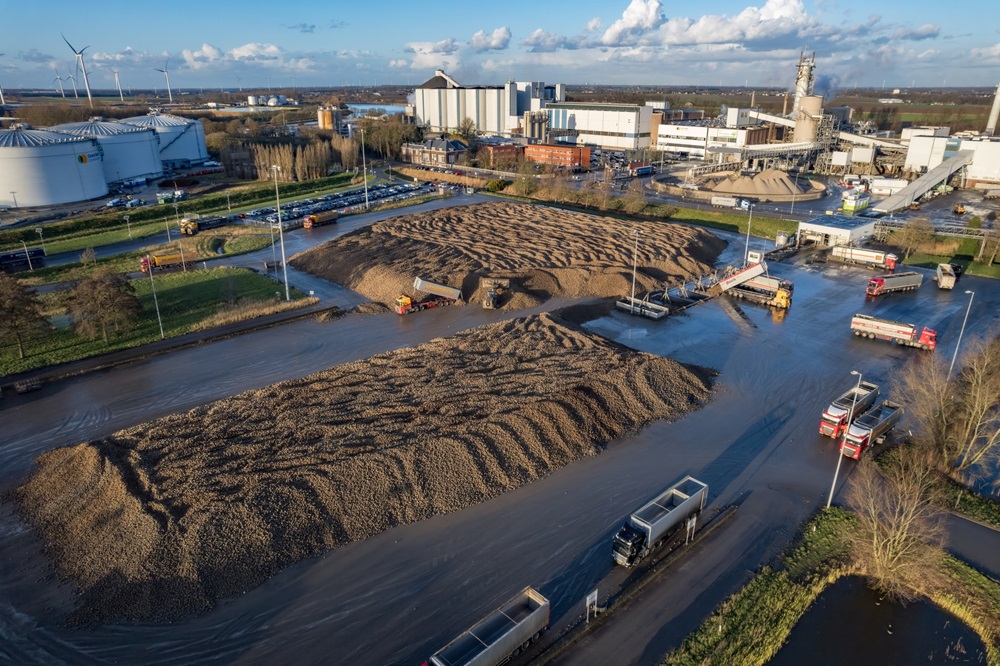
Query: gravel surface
545, 251
162, 520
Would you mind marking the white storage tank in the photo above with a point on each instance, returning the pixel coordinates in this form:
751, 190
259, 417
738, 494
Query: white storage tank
182, 141
42, 168
130, 152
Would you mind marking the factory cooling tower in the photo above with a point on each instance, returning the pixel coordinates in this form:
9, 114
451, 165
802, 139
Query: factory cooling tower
42, 168
129, 152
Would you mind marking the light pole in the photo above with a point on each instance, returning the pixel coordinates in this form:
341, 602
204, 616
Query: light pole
972, 295
156, 303
281, 234
791, 211
840, 452
38, 230
129, 227
27, 256
635, 258
746, 254
229, 206
177, 217
14, 196
364, 165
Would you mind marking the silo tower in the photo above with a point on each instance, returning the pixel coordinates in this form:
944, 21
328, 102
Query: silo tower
803, 81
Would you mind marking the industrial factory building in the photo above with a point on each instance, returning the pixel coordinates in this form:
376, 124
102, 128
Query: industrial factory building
441, 104
182, 141
612, 126
129, 153
699, 140
41, 168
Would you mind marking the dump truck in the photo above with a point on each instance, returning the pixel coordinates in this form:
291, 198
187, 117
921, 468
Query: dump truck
870, 258
192, 227
647, 529
871, 428
162, 261
765, 290
439, 295
886, 284
504, 633
908, 335
959, 209
859, 397
326, 217
945, 276
495, 287
743, 275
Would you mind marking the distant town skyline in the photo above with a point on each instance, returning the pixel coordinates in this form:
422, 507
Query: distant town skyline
896, 43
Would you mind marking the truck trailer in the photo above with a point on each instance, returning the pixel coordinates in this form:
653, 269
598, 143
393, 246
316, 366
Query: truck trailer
909, 335
162, 261
886, 284
835, 418
871, 428
440, 295
858, 255
743, 275
502, 634
192, 227
945, 276
730, 202
647, 529
326, 217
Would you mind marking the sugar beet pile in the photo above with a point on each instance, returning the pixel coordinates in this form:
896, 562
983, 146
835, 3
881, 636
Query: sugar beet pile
546, 251
163, 519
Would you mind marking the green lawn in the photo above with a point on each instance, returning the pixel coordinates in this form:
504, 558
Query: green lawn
185, 299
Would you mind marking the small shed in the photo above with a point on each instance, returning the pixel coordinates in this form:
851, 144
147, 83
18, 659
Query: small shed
832, 230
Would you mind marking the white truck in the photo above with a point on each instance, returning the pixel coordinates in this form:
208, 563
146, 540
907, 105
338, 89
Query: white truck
743, 275
909, 335
647, 529
860, 255
730, 202
502, 634
945, 276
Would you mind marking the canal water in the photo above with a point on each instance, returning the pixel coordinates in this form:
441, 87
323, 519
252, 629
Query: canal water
851, 624
362, 109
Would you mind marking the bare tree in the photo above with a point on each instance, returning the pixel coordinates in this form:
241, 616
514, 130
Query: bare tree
88, 256
103, 303
930, 400
467, 130
976, 434
899, 537
525, 182
635, 198
915, 232
22, 312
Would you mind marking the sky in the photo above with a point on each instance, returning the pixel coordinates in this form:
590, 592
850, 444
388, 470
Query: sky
298, 43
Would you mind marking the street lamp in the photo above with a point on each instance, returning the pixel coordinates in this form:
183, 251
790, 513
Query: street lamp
746, 255
177, 217
156, 303
364, 165
229, 206
38, 230
27, 255
281, 234
972, 295
14, 196
795, 190
635, 255
129, 227
847, 427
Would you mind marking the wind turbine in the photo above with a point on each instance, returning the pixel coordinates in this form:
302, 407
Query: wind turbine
2, 102
239, 82
118, 82
166, 75
83, 67
60, 80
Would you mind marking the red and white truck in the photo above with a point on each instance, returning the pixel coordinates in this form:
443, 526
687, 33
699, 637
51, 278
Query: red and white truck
860, 255
886, 284
909, 335
871, 428
835, 418
439, 295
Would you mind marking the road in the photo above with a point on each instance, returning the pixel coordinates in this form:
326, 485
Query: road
397, 597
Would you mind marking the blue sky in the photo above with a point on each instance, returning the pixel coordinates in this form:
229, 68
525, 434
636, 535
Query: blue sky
649, 42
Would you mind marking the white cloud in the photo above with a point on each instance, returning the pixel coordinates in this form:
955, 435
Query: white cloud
987, 52
434, 55
494, 41
399, 63
443, 47
639, 18
593, 25
542, 41
926, 31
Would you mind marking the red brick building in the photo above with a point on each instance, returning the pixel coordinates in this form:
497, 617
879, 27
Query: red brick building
500, 154
565, 156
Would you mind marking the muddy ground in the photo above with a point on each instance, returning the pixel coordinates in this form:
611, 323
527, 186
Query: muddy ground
546, 251
162, 520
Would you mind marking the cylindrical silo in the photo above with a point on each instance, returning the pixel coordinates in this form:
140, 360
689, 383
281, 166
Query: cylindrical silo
182, 141
130, 152
807, 121
42, 168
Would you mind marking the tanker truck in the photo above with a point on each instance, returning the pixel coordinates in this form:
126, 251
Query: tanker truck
860, 398
502, 634
871, 428
909, 335
647, 529
858, 255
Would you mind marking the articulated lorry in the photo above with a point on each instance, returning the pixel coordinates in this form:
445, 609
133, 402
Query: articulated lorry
192, 227
162, 261
858, 255
835, 418
647, 529
326, 217
909, 335
945, 276
731, 202
871, 428
886, 284
440, 295
765, 290
504, 633
743, 275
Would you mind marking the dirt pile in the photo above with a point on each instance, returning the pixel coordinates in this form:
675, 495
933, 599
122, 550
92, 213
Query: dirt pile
545, 251
163, 519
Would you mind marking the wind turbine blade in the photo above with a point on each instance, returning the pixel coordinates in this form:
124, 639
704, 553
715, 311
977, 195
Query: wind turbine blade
68, 44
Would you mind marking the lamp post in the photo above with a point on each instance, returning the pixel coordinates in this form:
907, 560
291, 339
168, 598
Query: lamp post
746, 253
954, 356
229, 206
27, 256
791, 211
38, 230
635, 255
840, 452
156, 303
14, 196
364, 165
281, 234
177, 217
129, 227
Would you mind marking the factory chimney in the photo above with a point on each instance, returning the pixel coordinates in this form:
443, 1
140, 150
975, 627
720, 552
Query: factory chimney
991, 124
803, 81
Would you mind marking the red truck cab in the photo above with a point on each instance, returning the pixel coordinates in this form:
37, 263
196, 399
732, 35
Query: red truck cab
928, 338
